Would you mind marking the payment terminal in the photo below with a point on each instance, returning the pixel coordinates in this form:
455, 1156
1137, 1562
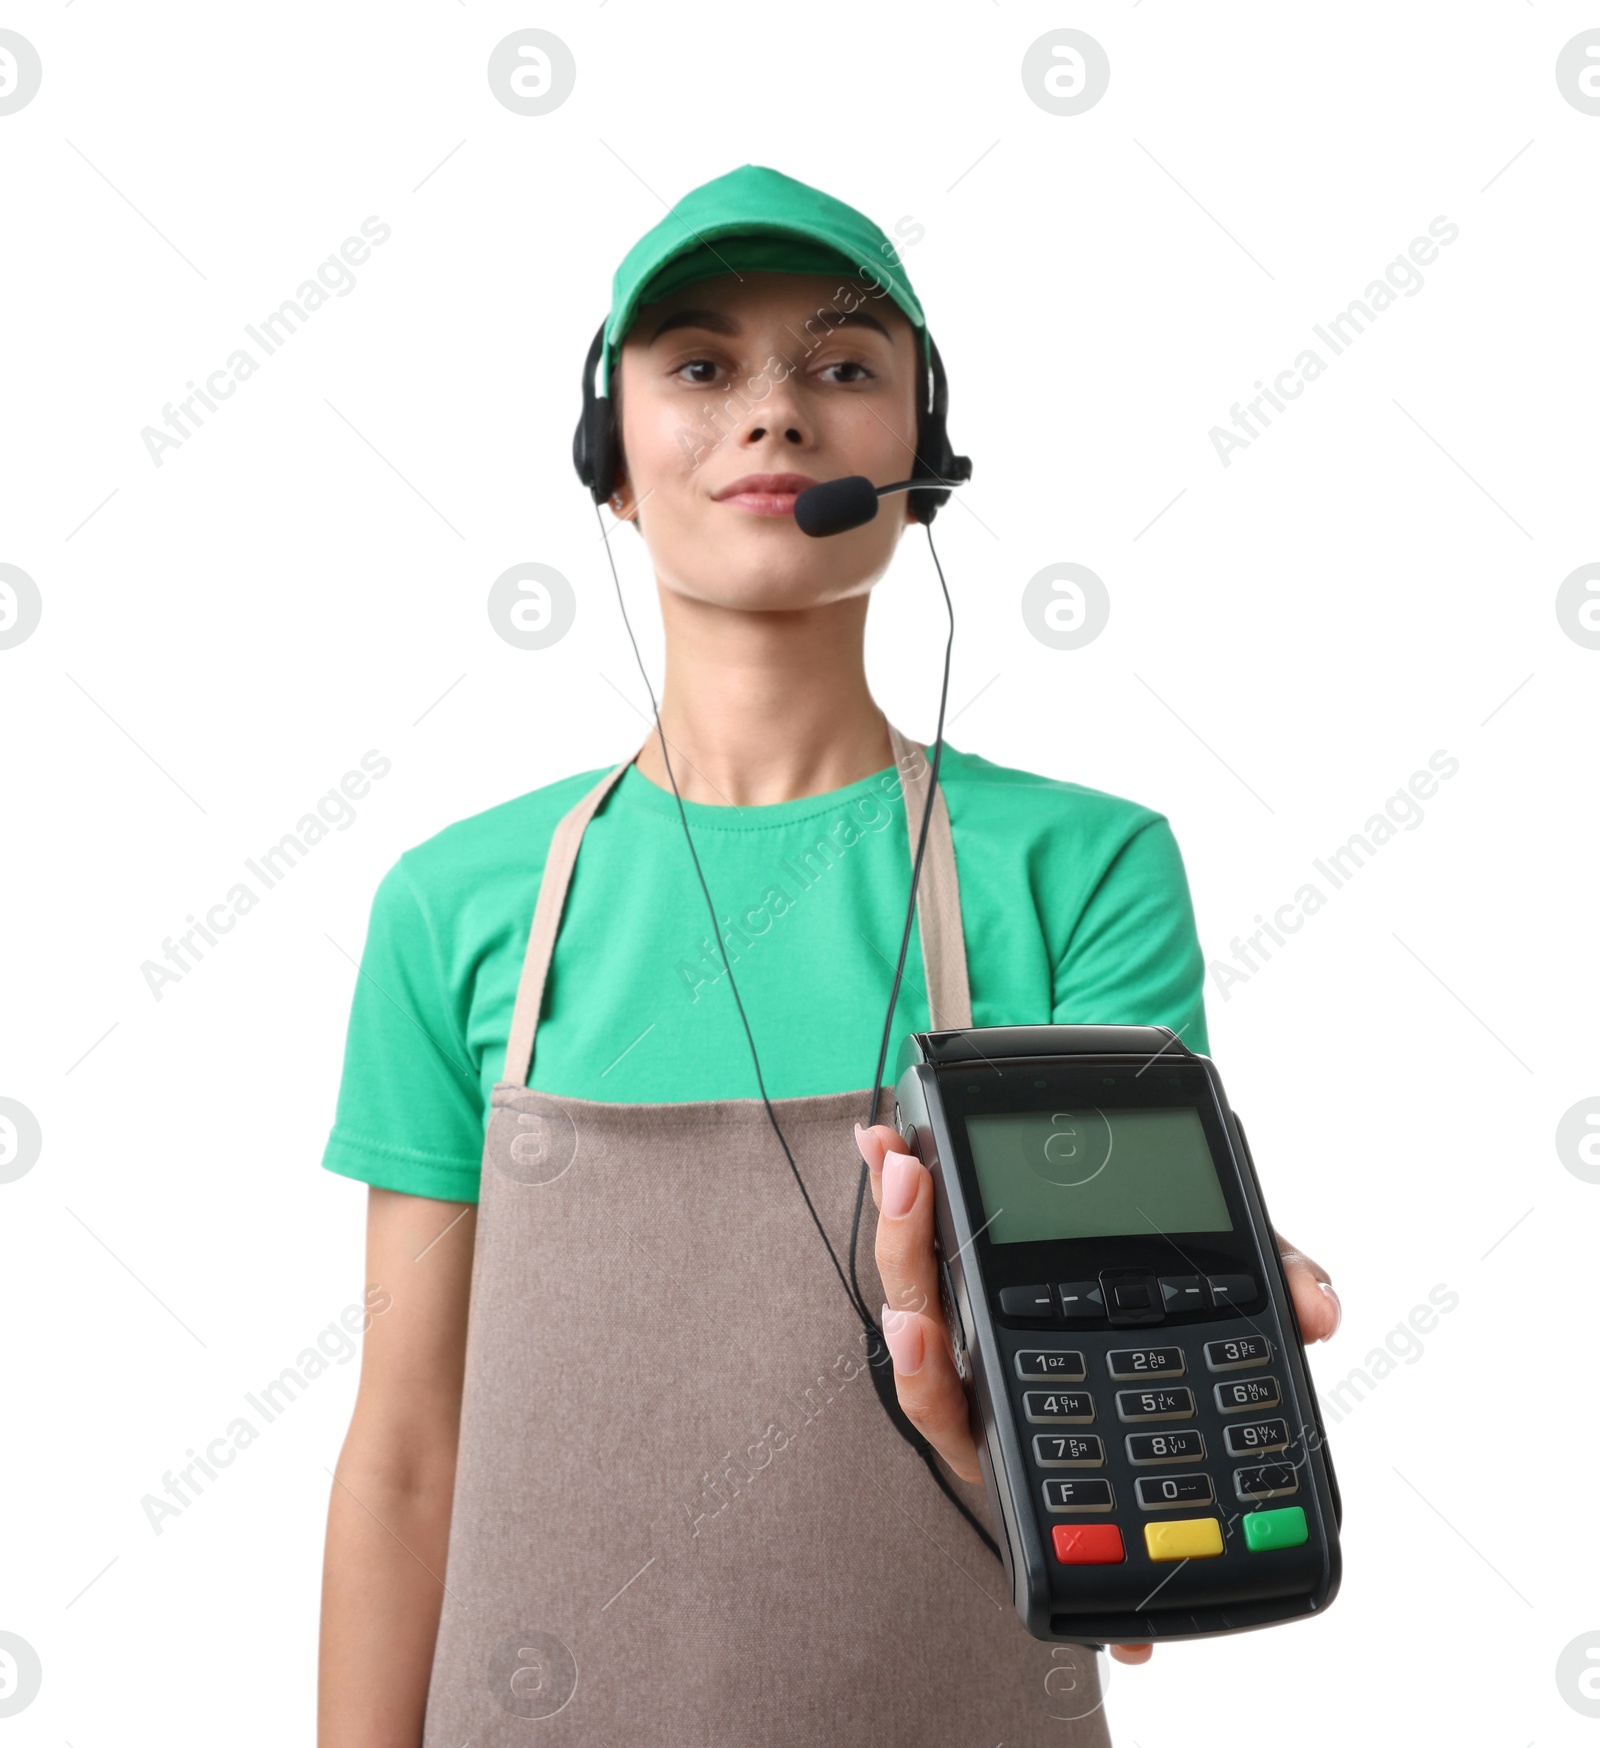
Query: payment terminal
1150, 1441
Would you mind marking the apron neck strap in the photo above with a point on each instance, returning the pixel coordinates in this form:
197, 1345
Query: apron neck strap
944, 954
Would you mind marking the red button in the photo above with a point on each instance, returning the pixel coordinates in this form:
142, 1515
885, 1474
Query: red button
1087, 1544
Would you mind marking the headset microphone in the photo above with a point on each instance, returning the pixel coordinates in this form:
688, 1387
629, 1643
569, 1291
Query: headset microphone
838, 505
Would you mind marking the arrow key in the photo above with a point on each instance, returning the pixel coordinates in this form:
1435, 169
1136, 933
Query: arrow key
1081, 1299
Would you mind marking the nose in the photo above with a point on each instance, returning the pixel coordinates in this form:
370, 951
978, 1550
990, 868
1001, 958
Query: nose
791, 434
776, 412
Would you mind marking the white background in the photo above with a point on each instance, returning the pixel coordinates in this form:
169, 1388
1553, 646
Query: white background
1291, 636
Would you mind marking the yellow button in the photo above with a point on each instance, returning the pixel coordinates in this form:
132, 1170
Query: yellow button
1189, 1538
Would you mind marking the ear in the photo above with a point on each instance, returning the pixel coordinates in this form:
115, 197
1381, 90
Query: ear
624, 508
621, 502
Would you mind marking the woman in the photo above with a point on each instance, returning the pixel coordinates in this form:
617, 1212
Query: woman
601, 1302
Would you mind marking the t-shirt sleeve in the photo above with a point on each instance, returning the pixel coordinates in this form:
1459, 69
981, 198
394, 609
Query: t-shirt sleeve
410, 1110
1134, 956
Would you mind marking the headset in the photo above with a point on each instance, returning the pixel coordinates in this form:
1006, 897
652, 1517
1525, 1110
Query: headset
595, 455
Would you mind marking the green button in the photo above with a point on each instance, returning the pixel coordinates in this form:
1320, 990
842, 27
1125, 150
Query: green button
1285, 1528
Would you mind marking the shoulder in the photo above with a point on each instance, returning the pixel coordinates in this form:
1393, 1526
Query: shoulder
473, 862
1041, 813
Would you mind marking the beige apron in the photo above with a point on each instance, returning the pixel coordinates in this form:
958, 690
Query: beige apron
682, 1518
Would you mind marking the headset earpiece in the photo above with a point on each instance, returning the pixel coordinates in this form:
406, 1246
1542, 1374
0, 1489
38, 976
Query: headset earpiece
594, 443
935, 458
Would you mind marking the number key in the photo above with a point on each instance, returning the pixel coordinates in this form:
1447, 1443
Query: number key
1051, 1365
1055, 1407
1247, 1393
1068, 1450
1255, 1438
1145, 1362
1169, 1404
1166, 1447
1164, 1492
1237, 1351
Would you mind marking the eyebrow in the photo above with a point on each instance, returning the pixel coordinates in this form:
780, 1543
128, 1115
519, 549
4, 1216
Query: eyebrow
717, 323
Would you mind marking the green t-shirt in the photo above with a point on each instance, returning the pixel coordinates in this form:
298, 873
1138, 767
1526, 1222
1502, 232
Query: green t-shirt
1074, 903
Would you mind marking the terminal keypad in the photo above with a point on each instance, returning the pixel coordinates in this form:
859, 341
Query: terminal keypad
1201, 1453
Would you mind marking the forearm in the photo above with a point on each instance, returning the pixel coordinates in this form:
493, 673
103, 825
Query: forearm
382, 1588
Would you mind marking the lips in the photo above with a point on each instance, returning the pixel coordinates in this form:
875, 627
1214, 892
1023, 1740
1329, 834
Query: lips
766, 494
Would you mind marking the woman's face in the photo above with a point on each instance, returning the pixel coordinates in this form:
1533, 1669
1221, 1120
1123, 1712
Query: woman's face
768, 373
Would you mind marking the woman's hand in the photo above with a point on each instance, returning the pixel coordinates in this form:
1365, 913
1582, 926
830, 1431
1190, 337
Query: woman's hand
925, 1380
1316, 1305
930, 1392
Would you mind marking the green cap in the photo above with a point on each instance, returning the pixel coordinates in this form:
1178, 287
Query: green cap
755, 220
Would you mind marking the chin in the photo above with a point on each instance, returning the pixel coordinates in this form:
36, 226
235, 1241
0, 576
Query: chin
776, 583
770, 565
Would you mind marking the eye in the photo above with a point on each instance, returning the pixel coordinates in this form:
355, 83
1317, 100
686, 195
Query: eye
852, 364
696, 364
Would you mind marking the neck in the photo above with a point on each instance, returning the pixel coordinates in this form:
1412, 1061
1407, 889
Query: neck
765, 707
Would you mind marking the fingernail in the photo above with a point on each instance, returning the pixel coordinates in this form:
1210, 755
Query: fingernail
899, 1184
861, 1144
904, 1337
1338, 1309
